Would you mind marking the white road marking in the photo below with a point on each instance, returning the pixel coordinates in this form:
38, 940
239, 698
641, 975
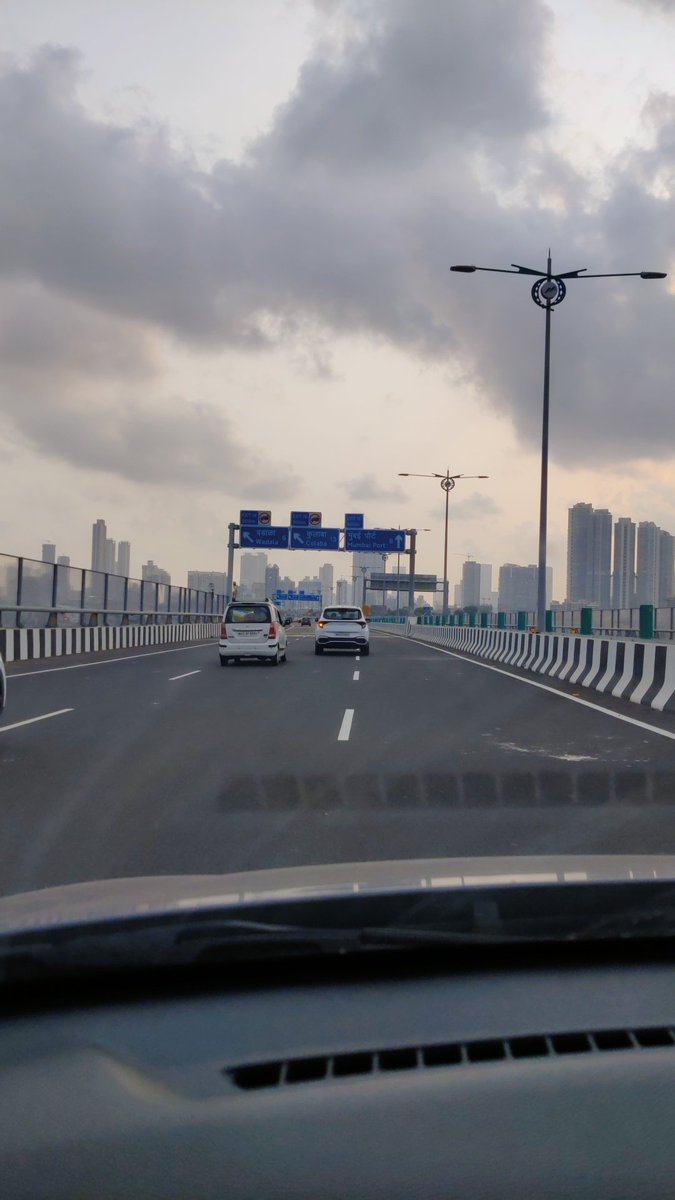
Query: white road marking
554, 692
346, 726
172, 677
358, 658
31, 720
356, 675
103, 662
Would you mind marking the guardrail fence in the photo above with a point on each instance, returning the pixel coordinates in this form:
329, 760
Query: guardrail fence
36, 595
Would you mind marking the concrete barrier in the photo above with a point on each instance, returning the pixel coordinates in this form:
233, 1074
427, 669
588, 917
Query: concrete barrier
643, 672
19, 644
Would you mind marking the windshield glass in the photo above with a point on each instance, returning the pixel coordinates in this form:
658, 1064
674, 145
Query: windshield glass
247, 614
337, 452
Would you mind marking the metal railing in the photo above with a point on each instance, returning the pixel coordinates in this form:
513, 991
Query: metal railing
647, 622
36, 594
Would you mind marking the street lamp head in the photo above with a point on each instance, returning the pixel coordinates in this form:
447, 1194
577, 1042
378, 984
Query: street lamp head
653, 274
466, 270
403, 473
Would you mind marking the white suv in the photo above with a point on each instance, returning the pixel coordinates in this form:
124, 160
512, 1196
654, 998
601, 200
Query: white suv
342, 627
252, 629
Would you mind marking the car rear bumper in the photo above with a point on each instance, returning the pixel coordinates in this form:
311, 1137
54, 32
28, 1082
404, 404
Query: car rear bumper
247, 649
347, 643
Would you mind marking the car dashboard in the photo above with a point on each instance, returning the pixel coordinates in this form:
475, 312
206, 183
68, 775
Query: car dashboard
533, 1074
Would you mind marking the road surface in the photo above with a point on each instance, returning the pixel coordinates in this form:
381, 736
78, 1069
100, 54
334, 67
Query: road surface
158, 761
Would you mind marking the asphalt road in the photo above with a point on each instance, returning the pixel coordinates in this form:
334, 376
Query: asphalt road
161, 762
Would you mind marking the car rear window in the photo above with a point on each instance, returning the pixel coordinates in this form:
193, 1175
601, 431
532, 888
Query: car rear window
247, 614
342, 614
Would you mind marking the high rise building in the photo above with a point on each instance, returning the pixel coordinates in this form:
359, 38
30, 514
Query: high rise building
252, 568
326, 579
98, 543
48, 552
589, 555
203, 581
648, 546
342, 591
151, 573
459, 596
518, 587
623, 576
286, 584
110, 556
476, 583
123, 558
63, 560
664, 589
272, 581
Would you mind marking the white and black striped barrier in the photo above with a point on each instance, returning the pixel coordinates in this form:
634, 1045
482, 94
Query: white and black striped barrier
643, 672
20, 644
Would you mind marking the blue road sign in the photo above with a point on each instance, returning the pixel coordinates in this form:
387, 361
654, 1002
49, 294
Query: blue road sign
255, 516
299, 520
354, 521
375, 541
273, 537
315, 539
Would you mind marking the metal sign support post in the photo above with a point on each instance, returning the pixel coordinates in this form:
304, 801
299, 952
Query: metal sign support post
231, 547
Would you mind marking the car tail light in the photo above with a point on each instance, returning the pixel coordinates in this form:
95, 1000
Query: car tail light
322, 624
363, 624
223, 632
274, 631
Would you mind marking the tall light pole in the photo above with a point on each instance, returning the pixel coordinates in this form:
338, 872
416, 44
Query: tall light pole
384, 581
548, 290
447, 483
364, 572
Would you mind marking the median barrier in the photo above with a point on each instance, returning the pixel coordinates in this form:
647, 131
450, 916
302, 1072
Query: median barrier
17, 645
643, 672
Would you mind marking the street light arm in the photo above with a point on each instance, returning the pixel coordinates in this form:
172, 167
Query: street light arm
499, 270
616, 275
416, 475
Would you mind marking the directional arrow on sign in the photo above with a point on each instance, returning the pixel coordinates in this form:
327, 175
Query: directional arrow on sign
246, 537
297, 537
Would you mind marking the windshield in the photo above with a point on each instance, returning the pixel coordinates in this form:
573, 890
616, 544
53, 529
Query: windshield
337, 467
247, 614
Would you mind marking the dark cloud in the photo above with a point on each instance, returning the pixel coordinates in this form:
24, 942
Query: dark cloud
366, 487
419, 138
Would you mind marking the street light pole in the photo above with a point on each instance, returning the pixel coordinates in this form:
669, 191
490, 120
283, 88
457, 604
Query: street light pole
448, 482
548, 290
384, 582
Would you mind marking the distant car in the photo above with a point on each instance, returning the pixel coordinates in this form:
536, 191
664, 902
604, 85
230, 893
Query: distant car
306, 621
342, 627
252, 630
3, 685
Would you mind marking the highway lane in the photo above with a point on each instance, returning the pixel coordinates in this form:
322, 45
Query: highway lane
166, 763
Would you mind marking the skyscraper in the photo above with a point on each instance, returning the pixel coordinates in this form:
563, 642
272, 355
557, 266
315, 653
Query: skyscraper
648, 546
664, 591
151, 573
623, 578
252, 568
98, 541
109, 556
123, 558
518, 587
326, 578
342, 591
272, 575
203, 581
48, 552
589, 555
63, 560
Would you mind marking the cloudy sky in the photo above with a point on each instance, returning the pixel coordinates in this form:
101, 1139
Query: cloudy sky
226, 228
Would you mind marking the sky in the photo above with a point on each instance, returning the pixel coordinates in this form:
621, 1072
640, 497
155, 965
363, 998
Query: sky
226, 229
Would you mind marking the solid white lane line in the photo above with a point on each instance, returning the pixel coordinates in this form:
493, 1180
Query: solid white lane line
31, 720
346, 726
554, 692
172, 677
103, 662
356, 675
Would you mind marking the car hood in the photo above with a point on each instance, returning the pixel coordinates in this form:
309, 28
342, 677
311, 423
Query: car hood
162, 894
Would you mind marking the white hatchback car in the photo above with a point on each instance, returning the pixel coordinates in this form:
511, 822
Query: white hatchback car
252, 629
342, 627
